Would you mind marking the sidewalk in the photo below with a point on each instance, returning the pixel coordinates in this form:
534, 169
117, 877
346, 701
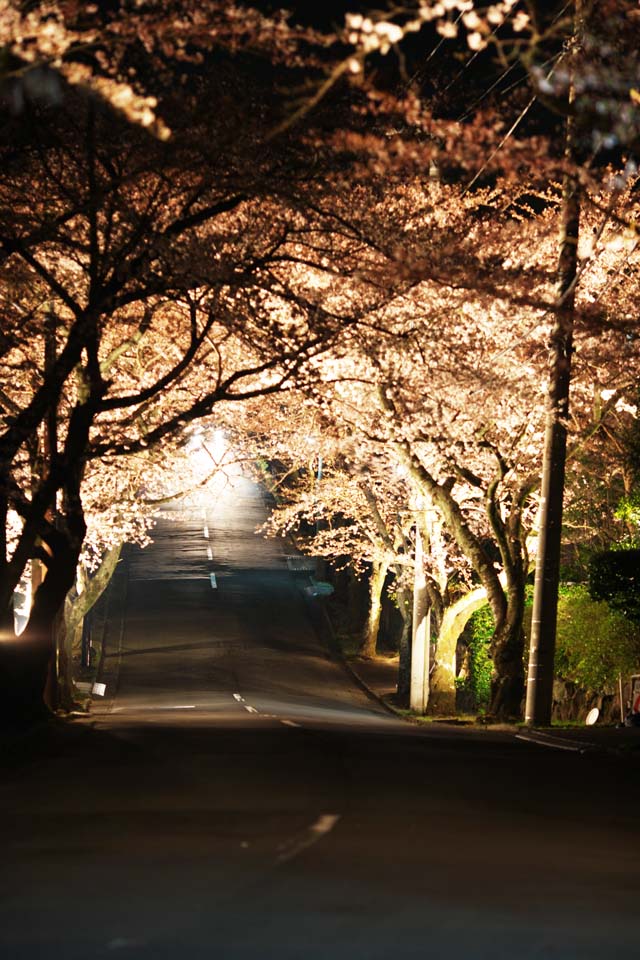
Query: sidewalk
379, 676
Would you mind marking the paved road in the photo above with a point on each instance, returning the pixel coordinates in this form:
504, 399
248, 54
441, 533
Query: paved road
235, 797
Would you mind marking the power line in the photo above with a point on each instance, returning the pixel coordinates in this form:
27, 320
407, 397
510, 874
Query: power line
469, 110
464, 116
510, 131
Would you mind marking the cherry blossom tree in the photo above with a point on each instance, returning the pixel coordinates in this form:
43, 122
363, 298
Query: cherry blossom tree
459, 394
352, 511
146, 280
219, 253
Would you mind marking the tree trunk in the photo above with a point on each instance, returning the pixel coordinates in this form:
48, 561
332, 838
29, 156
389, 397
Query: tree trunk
25, 662
28, 665
64, 632
442, 682
507, 652
454, 620
368, 646
508, 639
68, 628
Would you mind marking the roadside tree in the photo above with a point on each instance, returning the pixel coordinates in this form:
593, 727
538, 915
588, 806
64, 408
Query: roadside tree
146, 280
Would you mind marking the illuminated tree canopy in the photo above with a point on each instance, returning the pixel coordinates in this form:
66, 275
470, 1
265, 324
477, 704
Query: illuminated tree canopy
203, 204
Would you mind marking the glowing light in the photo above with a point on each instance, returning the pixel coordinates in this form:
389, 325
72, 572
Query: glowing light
21, 605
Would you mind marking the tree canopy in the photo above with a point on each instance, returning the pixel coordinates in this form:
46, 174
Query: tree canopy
203, 204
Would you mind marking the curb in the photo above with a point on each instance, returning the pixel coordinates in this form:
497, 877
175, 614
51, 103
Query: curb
542, 738
325, 631
539, 738
551, 740
371, 693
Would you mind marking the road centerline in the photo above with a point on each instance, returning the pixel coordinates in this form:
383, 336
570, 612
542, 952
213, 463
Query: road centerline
320, 828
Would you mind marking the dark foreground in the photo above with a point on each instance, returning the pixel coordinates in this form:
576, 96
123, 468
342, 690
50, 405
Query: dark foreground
234, 796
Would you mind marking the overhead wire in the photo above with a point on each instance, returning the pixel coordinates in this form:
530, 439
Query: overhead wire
468, 111
510, 131
472, 59
583, 268
431, 55
556, 60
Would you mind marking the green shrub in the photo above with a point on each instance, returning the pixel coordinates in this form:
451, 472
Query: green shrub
478, 633
595, 643
628, 510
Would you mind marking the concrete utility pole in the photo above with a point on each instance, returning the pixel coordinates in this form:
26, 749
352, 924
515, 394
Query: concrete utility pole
539, 699
421, 635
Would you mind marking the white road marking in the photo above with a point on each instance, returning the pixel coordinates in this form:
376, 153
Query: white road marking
209, 553
214, 582
205, 530
290, 723
250, 709
323, 825
237, 697
171, 576
153, 708
554, 744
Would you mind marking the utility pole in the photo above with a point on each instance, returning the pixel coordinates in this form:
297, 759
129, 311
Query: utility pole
539, 698
421, 634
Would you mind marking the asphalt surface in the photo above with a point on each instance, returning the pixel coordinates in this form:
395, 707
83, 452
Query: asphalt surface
234, 795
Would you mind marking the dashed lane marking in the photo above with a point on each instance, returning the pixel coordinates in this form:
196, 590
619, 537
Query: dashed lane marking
290, 723
323, 825
209, 553
205, 530
240, 699
214, 582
